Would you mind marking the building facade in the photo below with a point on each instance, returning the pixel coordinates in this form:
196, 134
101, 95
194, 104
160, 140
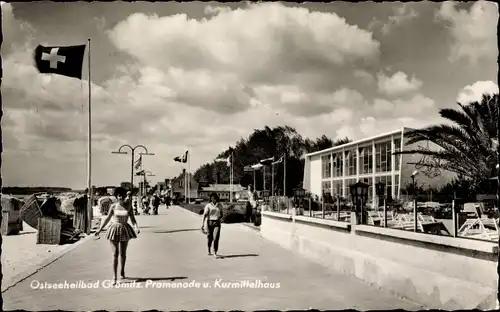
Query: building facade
222, 190
178, 185
370, 160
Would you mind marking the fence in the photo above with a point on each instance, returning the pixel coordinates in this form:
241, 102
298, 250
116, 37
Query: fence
338, 211
454, 220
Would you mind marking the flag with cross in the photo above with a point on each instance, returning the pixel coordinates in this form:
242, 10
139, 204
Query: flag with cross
63, 60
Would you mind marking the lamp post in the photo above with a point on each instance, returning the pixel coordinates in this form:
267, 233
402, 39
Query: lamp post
415, 210
380, 190
144, 173
359, 193
132, 150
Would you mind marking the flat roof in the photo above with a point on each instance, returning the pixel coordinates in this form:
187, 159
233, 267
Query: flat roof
404, 129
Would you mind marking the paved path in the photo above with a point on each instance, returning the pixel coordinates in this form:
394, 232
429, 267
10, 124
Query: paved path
172, 247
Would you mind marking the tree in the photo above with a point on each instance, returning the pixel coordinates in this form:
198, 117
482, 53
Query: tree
468, 146
262, 144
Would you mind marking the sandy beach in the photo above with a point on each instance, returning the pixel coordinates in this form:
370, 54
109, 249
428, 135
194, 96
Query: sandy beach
21, 252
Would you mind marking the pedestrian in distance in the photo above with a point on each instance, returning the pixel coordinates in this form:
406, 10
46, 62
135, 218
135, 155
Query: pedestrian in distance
156, 204
251, 204
168, 201
145, 205
120, 232
211, 224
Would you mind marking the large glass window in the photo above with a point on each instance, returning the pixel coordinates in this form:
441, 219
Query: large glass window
383, 157
337, 188
326, 186
397, 148
387, 180
368, 181
350, 165
349, 182
327, 166
337, 164
365, 160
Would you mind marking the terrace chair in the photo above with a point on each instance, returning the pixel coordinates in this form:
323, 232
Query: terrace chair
480, 227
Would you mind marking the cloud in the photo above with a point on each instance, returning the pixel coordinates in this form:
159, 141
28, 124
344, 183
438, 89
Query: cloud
260, 42
474, 92
363, 75
418, 105
474, 32
197, 84
400, 15
299, 103
214, 10
398, 84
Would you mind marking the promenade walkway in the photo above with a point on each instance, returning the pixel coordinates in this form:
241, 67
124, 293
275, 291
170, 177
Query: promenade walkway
170, 248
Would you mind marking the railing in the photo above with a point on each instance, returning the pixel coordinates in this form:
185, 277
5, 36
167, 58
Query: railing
308, 207
432, 219
437, 220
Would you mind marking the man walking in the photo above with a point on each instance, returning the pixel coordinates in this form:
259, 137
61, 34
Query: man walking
156, 204
251, 204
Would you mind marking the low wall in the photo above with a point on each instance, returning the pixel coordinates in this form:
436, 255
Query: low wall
436, 271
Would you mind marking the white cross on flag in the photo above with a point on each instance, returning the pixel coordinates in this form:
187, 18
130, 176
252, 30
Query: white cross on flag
65, 61
225, 160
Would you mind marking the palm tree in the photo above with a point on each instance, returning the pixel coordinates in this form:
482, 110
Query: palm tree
468, 146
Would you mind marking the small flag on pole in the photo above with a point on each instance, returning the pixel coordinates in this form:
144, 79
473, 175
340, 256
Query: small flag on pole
182, 159
279, 161
267, 161
66, 61
226, 160
257, 166
138, 163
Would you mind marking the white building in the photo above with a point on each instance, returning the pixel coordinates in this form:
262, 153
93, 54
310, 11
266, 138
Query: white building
369, 160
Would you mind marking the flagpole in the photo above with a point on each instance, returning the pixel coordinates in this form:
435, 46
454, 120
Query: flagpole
189, 176
263, 177
272, 180
284, 174
231, 180
89, 170
254, 182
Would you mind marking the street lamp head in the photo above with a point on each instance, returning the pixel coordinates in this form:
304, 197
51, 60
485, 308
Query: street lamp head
299, 192
380, 188
415, 173
147, 154
359, 190
122, 153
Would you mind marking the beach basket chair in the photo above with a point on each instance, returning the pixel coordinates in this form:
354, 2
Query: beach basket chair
49, 231
31, 212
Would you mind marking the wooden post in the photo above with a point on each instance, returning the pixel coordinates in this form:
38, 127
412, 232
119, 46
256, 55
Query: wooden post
454, 218
415, 214
385, 213
310, 211
323, 207
338, 208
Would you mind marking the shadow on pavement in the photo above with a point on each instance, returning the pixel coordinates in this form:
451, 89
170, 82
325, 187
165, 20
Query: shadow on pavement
175, 231
237, 256
144, 279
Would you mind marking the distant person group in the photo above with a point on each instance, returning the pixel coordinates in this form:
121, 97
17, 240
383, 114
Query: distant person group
124, 206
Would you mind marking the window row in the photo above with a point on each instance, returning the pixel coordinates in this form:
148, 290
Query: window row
336, 187
333, 165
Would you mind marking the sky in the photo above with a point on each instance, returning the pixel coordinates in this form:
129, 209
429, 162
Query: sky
201, 75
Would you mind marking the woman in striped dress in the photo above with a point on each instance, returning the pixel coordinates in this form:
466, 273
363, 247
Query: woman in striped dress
119, 232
